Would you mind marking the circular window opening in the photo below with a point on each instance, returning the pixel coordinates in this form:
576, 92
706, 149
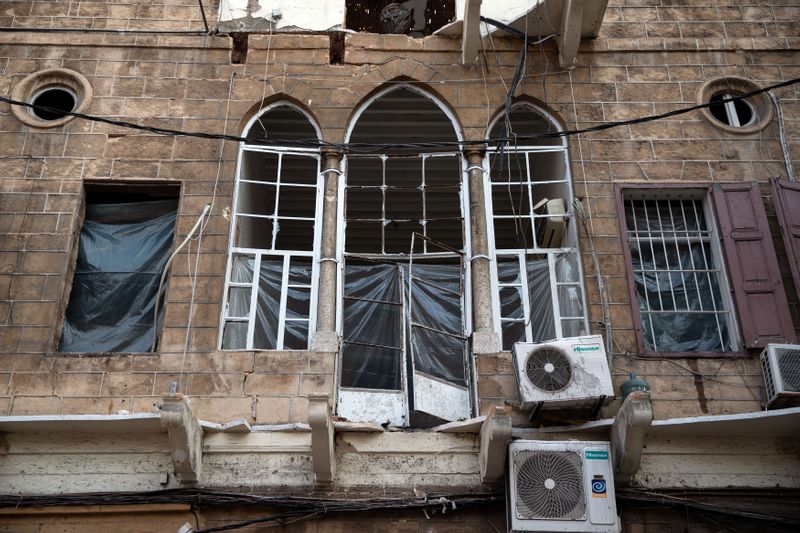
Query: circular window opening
743, 115
736, 113
53, 103
52, 95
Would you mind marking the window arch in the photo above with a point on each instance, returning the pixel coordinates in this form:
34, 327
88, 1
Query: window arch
271, 278
537, 273
403, 318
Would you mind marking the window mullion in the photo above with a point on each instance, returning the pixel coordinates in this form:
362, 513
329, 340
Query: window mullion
251, 319
284, 298
551, 267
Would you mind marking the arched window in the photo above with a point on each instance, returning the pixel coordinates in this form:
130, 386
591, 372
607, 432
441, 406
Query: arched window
537, 270
404, 322
271, 276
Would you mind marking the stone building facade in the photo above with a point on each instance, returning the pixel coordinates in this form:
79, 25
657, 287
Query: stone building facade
266, 410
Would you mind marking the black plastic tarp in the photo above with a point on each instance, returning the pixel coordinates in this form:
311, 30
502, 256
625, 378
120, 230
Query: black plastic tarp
122, 251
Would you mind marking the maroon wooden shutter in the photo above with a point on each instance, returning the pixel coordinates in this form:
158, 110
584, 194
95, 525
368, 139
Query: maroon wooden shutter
786, 198
753, 270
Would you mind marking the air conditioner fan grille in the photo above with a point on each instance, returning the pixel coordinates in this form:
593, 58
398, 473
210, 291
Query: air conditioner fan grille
549, 485
789, 365
548, 368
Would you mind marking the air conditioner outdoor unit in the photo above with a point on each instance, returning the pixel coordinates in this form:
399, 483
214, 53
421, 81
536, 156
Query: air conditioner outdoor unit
781, 366
550, 230
561, 486
571, 372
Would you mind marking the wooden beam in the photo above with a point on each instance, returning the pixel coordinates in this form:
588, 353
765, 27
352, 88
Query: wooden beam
627, 435
495, 435
322, 443
570, 38
185, 438
471, 32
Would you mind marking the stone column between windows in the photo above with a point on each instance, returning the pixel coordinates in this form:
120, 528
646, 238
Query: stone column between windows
484, 337
325, 338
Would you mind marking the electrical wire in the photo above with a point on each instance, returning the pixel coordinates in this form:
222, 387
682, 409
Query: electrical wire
367, 148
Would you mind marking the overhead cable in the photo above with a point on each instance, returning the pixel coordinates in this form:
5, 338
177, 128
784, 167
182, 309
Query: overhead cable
378, 147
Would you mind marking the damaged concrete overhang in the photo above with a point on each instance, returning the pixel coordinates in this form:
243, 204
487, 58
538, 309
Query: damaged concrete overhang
280, 16
568, 21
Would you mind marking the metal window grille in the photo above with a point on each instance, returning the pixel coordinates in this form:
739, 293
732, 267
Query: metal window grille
678, 276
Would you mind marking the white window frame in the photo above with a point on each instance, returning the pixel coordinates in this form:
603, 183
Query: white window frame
733, 114
260, 254
713, 238
393, 405
571, 236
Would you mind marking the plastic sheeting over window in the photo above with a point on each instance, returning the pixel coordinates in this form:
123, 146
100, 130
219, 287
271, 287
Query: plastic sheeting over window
676, 273
387, 310
122, 251
528, 312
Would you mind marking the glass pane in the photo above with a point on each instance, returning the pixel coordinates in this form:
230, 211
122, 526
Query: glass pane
438, 355
570, 301
508, 271
242, 268
299, 169
234, 336
547, 166
510, 200
268, 304
449, 232
403, 204
511, 302
398, 236
442, 202
254, 232
364, 171
364, 203
300, 271
295, 235
512, 168
256, 199
297, 201
512, 332
572, 328
298, 303
239, 302
259, 166
542, 320
370, 367
442, 171
364, 237
295, 335
404, 172
567, 268
512, 233
686, 332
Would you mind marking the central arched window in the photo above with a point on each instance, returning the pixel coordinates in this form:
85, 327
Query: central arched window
271, 277
538, 281
403, 320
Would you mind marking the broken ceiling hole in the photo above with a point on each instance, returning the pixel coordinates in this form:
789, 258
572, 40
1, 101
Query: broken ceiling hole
53, 93
745, 116
239, 48
337, 48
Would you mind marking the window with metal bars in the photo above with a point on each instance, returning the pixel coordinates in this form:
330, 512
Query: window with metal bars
271, 277
679, 276
537, 266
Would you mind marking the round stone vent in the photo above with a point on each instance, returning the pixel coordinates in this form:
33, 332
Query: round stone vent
53, 93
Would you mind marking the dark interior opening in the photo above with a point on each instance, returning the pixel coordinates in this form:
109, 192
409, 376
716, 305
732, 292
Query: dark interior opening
365, 15
58, 102
743, 110
239, 42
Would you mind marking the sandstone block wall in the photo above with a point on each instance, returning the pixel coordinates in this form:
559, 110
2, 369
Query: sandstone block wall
649, 58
